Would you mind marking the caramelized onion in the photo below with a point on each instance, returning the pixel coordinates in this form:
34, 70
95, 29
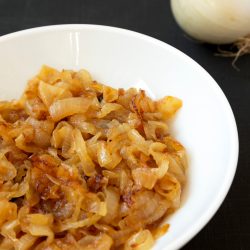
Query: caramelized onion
86, 166
68, 106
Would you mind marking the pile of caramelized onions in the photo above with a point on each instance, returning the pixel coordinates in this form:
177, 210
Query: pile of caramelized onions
86, 166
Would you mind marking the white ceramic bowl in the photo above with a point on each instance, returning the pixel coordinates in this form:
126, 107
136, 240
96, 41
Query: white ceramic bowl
205, 124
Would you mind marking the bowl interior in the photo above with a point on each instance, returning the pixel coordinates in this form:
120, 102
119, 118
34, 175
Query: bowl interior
205, 124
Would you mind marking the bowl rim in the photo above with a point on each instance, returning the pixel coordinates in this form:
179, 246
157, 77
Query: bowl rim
200, 223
